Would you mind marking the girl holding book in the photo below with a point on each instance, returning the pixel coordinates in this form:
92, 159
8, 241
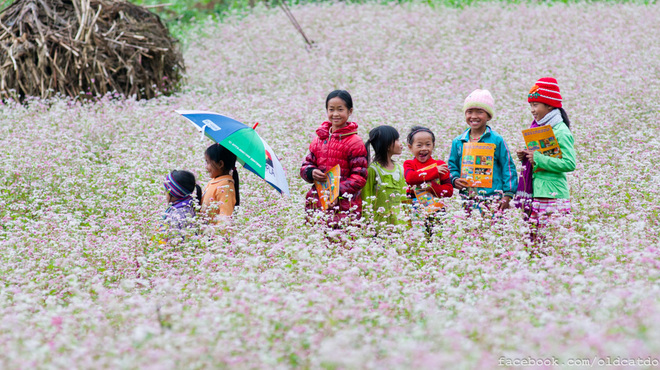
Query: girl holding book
337, 143
498, 164
543, 189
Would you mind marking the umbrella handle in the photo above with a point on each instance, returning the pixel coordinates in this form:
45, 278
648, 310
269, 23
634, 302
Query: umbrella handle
202, 137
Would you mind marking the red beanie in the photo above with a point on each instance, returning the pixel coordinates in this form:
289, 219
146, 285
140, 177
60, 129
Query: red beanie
545, 91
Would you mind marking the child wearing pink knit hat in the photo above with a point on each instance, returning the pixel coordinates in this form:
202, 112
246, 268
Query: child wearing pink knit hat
480, 99
479, 110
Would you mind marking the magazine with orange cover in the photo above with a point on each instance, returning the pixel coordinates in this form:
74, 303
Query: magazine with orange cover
477, 164
329, 189
543, 139
427, 199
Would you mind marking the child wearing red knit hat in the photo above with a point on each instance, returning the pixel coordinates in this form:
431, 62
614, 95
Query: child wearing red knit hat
543, 188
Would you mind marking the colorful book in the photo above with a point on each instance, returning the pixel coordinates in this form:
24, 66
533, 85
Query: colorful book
431, 166
543, 139
427, 199
329, 190
477, 164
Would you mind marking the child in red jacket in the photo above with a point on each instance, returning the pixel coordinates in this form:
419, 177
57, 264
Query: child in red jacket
337, 143
423, 171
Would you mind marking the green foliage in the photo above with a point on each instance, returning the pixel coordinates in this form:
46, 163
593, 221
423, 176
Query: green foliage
186, 11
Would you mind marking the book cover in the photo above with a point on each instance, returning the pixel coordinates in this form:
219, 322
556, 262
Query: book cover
427, 199
477, 164
543, 139
329, 190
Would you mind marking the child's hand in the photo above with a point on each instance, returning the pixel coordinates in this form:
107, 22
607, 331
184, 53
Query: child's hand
505, 204
460, 184
443, 170
521, 154
530, 155
319, 176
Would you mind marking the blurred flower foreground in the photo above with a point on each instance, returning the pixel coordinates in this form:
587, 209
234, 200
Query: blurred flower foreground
85, 281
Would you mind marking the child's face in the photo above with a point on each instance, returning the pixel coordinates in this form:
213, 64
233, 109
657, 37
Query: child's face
212, 168
422, 146
539, 110
396, 148
338, 113
476, 118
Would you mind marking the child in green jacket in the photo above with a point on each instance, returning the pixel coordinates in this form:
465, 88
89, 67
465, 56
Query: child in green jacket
543, 189
386, 184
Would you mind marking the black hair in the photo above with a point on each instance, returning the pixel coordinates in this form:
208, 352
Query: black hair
187, 180
218, 153
381, 138
564, 117
417, 129
341, 94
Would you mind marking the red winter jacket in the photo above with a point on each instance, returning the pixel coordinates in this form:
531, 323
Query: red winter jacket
441, 184
344, 148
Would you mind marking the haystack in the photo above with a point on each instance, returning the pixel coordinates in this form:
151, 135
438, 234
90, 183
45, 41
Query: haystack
85, 48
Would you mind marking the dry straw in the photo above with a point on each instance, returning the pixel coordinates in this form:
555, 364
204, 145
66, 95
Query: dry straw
85, 48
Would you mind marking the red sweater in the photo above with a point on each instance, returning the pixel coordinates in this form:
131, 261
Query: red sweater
441, 184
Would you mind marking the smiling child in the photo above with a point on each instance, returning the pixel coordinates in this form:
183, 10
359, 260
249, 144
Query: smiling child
337, 143
221, 194
423, 171
478, 109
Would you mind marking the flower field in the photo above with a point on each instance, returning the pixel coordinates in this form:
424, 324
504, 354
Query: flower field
84, 281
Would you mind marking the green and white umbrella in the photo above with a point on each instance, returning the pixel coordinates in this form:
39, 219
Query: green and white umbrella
250, 149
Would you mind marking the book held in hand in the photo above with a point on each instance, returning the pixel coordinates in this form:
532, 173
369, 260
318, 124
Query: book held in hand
543, 139
427, 199
477, 164
329, 189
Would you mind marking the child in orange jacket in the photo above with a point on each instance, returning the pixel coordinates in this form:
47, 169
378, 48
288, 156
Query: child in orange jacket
221, 194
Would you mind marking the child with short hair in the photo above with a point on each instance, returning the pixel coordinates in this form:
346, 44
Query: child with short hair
424, 172
337, 143
479, 110
544, 189
221, 194
386, 185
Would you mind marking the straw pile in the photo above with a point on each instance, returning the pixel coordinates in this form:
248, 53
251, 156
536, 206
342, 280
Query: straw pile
85, 48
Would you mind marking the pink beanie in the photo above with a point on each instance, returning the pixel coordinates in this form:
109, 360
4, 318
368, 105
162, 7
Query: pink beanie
480, 99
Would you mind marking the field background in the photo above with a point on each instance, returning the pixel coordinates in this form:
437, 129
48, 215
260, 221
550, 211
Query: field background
84, 282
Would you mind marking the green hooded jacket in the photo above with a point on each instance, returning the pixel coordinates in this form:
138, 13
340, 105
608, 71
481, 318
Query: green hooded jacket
550, 173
